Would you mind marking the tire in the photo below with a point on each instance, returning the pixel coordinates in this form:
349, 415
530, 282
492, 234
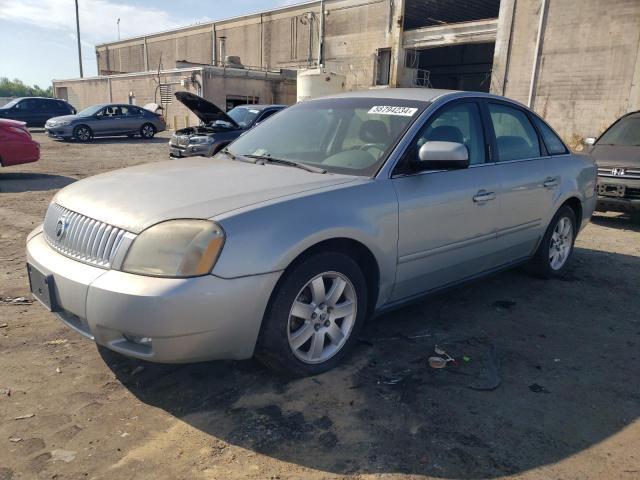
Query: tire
82, 133
556, 247
301, 347
147, 131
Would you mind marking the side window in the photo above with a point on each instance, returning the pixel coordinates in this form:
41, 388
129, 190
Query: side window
515, 136
551, 140
27, 105
460, 123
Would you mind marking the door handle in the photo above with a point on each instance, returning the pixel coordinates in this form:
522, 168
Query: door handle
484, 196
550, 182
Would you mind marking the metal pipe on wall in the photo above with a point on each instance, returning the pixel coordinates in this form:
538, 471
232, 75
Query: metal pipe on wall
536, 58
321, 36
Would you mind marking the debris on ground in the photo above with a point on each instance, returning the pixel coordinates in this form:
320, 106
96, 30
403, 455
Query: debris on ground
57, 341
4, 325
15, 439
536, 388
63, 455
16, 300
137, 370
442, 360
5, 391
58, 370
23, 417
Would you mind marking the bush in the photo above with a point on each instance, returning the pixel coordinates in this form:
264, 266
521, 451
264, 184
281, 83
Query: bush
16, 88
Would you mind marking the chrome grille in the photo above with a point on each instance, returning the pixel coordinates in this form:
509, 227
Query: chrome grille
183, 141
82, 238
619, 172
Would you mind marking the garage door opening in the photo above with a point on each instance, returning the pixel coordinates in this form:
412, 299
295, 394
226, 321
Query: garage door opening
455, 67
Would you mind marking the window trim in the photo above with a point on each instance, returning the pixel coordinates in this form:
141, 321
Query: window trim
445, 106
542, 146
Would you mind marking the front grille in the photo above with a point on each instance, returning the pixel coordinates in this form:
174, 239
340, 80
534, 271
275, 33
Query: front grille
80, 237
183, 141
619, 172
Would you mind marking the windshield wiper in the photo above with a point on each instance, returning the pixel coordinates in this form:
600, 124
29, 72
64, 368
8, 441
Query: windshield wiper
289, 163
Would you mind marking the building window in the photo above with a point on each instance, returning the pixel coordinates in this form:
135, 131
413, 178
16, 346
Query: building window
383, 66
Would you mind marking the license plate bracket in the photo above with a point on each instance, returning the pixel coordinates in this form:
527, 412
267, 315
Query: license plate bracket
42, 287
612, 190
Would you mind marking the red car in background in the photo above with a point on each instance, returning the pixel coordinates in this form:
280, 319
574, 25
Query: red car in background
16, 144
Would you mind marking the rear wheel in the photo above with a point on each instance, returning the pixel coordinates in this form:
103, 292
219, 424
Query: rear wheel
147, 130
556, 246
315, 315
82, 133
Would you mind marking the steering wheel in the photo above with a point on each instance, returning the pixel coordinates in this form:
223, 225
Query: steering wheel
368, 146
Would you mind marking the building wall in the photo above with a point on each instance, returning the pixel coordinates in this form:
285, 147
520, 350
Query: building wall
588, 68
354, 30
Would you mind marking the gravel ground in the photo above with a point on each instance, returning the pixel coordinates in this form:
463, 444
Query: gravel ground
567, 353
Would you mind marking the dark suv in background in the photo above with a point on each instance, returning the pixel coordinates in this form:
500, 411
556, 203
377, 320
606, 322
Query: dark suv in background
35, 111
617, 153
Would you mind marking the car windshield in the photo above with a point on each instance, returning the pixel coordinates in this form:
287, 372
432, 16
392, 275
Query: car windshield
11, 103
624, 133
244, 116
346, 135
87, 112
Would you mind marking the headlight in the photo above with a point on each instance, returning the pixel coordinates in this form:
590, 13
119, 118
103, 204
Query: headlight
177, 248
63, 124
198, 140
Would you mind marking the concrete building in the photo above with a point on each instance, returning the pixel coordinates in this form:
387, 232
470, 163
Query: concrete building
226, 87
577, 62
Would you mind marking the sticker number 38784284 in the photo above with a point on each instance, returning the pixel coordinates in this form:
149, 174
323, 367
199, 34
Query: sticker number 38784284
391, 110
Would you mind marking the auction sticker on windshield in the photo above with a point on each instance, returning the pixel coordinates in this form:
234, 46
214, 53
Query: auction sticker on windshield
390, 110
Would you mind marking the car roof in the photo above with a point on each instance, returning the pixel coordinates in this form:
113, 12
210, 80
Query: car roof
261, 106
417, 94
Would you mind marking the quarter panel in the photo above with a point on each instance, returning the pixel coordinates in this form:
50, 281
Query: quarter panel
269, 237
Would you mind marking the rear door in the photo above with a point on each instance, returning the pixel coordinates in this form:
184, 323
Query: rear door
527, 181
447, 219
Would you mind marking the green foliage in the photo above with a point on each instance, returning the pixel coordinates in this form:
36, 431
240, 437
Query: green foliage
16, 88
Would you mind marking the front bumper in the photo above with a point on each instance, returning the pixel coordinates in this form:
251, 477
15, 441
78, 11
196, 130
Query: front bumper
188, 320
59, 132
628, 201
189, 151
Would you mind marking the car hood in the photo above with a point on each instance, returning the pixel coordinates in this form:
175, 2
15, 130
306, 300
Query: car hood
137, 197
614, 156
12, 123
204, 109
63, 118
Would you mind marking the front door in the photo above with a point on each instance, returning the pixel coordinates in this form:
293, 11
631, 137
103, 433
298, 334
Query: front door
447, 219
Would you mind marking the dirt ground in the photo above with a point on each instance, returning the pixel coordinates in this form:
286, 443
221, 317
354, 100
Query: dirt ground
567, 353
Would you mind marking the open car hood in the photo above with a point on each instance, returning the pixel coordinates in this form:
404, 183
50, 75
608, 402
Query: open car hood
204, 110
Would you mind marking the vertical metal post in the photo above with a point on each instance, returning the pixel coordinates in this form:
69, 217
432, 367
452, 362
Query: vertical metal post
79, 47
118, 29
536, 58
321, 36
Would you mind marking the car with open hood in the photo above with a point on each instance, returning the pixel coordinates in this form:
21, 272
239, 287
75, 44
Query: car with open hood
218, 128
333, 211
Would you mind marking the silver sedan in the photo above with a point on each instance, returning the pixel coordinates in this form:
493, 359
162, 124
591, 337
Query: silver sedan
106, 120
285, 243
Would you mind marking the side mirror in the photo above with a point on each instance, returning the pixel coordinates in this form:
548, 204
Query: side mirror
443, 156
590, 141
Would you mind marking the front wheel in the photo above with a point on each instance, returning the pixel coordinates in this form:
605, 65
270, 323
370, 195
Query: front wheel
556, 246
315, 315
82, 133
147, 131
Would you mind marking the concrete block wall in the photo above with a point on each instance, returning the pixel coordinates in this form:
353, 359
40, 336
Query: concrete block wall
354, 31
588, 70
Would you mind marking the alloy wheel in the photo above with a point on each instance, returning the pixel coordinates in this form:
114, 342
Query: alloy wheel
147, 131
561, 243
83, 134
322, 317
